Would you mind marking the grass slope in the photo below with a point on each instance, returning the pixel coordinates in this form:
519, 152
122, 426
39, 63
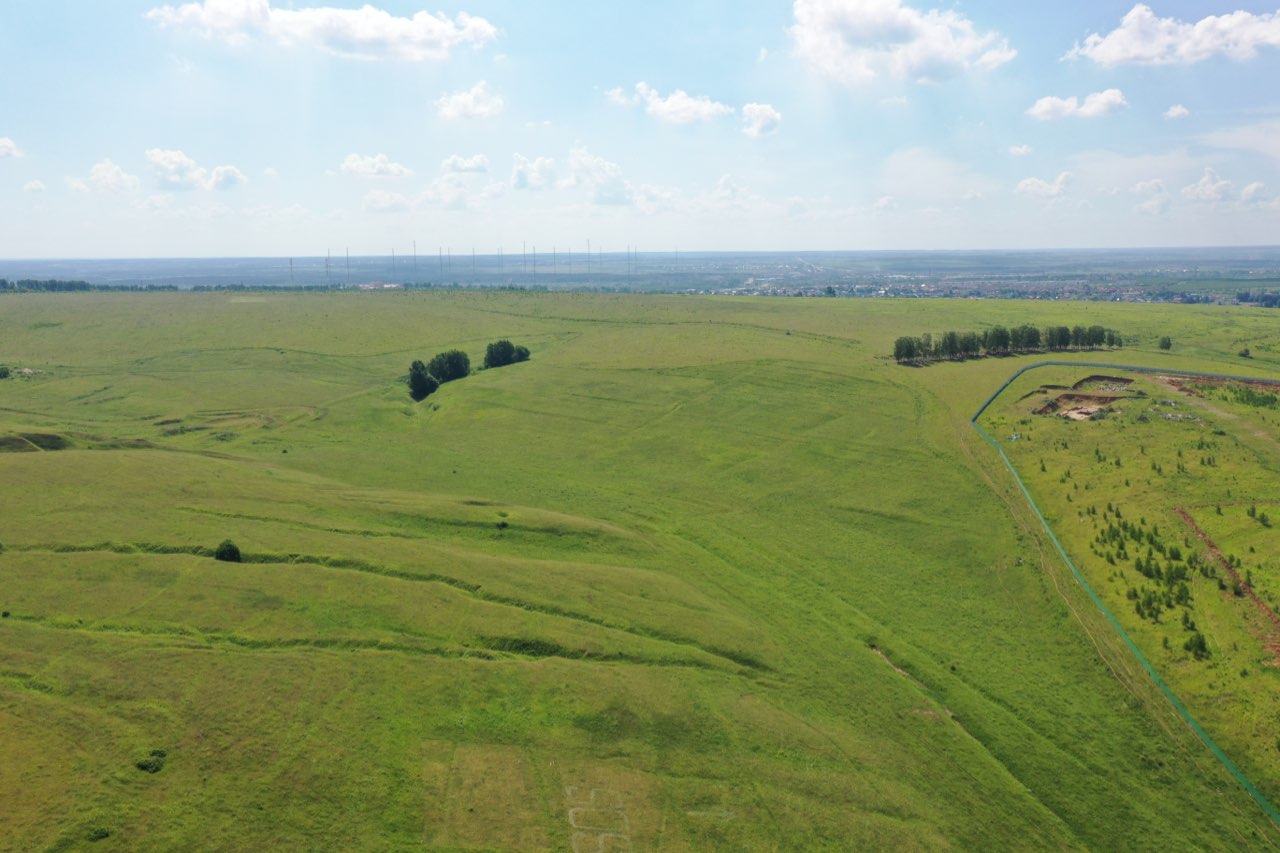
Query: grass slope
703, 574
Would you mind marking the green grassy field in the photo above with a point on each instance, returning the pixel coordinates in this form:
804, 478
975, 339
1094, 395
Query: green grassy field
703, 574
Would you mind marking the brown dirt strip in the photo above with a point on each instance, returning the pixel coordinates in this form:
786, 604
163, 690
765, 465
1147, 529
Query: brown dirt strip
1272, 643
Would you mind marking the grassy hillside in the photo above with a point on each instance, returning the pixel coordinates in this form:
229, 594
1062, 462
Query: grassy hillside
702, 574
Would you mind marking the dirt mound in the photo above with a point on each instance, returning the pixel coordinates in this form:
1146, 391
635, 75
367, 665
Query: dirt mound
1098, 378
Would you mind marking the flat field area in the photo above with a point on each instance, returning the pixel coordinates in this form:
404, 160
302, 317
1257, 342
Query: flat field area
704, 573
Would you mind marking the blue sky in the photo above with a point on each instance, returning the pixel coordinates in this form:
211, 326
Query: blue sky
292, 127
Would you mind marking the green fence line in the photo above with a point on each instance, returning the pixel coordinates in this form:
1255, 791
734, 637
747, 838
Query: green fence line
1226, 762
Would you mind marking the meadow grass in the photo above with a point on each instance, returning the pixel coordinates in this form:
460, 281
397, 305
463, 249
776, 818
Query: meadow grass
708, 573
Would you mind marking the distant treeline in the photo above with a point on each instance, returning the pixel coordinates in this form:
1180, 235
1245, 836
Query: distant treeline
1265, 299
999, 340
53, 285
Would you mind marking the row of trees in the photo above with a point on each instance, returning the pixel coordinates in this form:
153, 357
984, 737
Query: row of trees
1000, 340
425, 379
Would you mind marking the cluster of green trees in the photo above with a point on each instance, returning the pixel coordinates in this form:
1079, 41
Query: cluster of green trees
425, 379
503, 352
1164, 565
1001, 340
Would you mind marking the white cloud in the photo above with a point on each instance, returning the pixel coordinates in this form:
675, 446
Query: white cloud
9, 148
75, 184
895, 101
529, 174
459, 191
619, 97
1177, 111
856, 41
885, 202
106, 177
1019, 150
1044, 189
1263, 138
677, 108
1144, 39
1210, 188
762, 55
1095, 105
381, 201
34, 187
270, 172
1252, 191
176, 171
375, 166
458, 163
364, 33
601, 178
1151, 187
475, 102
758, 119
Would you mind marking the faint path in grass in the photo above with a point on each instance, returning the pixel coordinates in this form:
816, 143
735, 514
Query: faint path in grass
733, 661
494, 649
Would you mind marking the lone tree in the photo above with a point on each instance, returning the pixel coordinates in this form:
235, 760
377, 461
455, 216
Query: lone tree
503, 352
1166, 342
227, 552
421, 383
448, 366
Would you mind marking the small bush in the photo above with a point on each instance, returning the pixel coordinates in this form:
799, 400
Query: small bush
4, 372
153, 763
227, 552
98, 834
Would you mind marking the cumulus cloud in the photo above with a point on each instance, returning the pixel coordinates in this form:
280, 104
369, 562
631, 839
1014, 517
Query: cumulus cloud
1095, 105
475, 102
9, 148
1210, 188
1157, 197
1044, 189
1142, 38
856, 41
176, 171
1019, 150
34, 187
758, 119
1177, 111
105, 177
677, 108
1252, 191
364, 33
381, 201
375, 166
458, 163
535, 174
